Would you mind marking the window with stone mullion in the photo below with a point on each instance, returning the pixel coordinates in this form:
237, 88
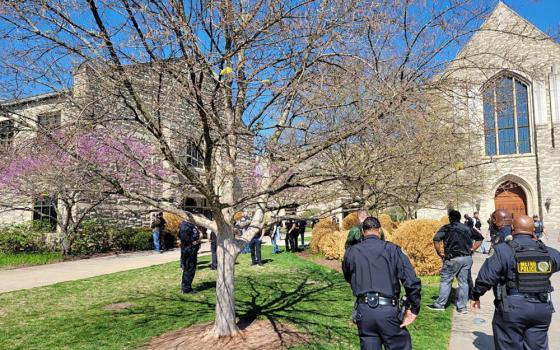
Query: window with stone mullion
506, 117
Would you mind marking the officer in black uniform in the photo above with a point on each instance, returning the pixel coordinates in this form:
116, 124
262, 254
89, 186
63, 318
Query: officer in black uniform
375, 270
519, 271
190, 243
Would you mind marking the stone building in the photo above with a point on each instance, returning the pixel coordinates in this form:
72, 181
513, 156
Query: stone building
96, 96
510, 72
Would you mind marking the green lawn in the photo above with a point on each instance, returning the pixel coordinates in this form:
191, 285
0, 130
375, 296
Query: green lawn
28, 259
315, 299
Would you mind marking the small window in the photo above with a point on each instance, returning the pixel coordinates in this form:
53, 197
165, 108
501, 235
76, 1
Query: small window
193, 157
49, 121
7, 132
44, 209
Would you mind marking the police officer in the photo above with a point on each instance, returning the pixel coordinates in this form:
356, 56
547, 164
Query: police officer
375, 270
500, 226
519, 271
457, 260
190, 243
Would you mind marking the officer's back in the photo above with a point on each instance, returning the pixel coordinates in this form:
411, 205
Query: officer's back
375, 269
519, 272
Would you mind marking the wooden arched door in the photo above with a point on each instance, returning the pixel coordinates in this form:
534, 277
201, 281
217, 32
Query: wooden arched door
510, 196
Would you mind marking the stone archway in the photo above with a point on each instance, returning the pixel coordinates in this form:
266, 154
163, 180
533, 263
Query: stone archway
512, 197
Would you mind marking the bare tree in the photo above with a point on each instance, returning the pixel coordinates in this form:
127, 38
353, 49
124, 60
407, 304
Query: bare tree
241, 99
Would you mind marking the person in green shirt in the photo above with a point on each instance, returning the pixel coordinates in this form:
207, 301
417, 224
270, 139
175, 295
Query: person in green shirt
355, 233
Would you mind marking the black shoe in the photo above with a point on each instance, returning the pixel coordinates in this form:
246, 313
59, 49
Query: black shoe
190, 291
213, 268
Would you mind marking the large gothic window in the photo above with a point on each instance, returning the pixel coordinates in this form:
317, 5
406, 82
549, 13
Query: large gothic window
506, 117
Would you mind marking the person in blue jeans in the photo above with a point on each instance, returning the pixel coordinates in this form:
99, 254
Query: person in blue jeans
275, 236
158, 225
457, 260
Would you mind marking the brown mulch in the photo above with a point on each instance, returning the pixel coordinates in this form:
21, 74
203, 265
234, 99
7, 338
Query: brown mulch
318, 259
259, 334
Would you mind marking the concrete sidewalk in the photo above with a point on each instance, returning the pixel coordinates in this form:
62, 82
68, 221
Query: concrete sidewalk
43, 275
474, 331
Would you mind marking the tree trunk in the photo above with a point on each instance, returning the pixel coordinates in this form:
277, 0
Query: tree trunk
226, 323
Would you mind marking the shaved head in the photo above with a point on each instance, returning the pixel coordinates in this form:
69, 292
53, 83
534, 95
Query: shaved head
523, 224
501, 218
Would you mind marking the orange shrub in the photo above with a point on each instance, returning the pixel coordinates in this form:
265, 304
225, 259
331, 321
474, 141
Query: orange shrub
172, 222
332, 245
415, 237
444, 220
387, 225
350, 221
321, 229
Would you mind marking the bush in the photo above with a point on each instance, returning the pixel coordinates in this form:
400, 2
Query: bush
350, 221
142, 239
416, 239
444, 220
328, 240
98, 237
24, 237
320, 230
388, 226
172, 222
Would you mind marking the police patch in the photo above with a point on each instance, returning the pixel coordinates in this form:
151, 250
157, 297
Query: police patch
544, 267
532, 266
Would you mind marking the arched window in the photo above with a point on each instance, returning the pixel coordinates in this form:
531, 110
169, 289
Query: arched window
506, 117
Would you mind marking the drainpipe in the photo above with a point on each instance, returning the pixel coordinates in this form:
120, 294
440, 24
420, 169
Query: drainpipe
536, 150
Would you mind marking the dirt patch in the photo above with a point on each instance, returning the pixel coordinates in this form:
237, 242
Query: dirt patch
260, 334
317, 259
119, 306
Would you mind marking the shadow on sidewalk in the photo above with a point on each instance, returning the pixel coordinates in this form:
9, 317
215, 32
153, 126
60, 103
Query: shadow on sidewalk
483, 341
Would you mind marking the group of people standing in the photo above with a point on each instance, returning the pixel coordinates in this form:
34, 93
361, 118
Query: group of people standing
518, 272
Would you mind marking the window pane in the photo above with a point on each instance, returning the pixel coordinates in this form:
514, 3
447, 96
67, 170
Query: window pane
488, 102
524, 140
6, 132
507, 141
522, 105
504, 103
490, 143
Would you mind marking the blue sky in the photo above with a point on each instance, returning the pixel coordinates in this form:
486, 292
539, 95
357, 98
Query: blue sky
545, 14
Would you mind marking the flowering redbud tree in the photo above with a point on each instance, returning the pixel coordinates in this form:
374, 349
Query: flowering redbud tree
79, 171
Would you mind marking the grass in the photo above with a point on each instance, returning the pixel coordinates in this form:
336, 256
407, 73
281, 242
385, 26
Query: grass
317, 300
28, 259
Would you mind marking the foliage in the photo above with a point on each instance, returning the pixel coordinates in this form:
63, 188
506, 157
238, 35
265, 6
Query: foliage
350, 221
99, 237
387, 225
328, 240
397, 213
444, 220
53, 321
142, 240
172, 222
310, 213
24, 237
415, 237
28, 259
324, 227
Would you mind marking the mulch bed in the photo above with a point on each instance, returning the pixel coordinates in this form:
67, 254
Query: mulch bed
259, 334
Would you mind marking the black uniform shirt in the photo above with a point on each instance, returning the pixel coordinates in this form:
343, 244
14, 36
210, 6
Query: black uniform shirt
188, 233
373, 265
457, 239
501, 265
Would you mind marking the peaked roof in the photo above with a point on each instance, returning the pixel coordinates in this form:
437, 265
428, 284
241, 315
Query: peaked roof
502, 19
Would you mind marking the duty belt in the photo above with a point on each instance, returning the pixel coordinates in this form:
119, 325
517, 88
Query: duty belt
373, 299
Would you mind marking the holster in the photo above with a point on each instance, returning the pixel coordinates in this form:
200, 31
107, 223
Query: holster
355, 312
402, 307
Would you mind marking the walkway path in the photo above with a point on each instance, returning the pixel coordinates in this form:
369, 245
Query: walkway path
474, 331
43, 275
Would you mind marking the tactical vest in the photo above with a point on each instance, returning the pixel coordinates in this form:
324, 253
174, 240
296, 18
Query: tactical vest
533, 268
